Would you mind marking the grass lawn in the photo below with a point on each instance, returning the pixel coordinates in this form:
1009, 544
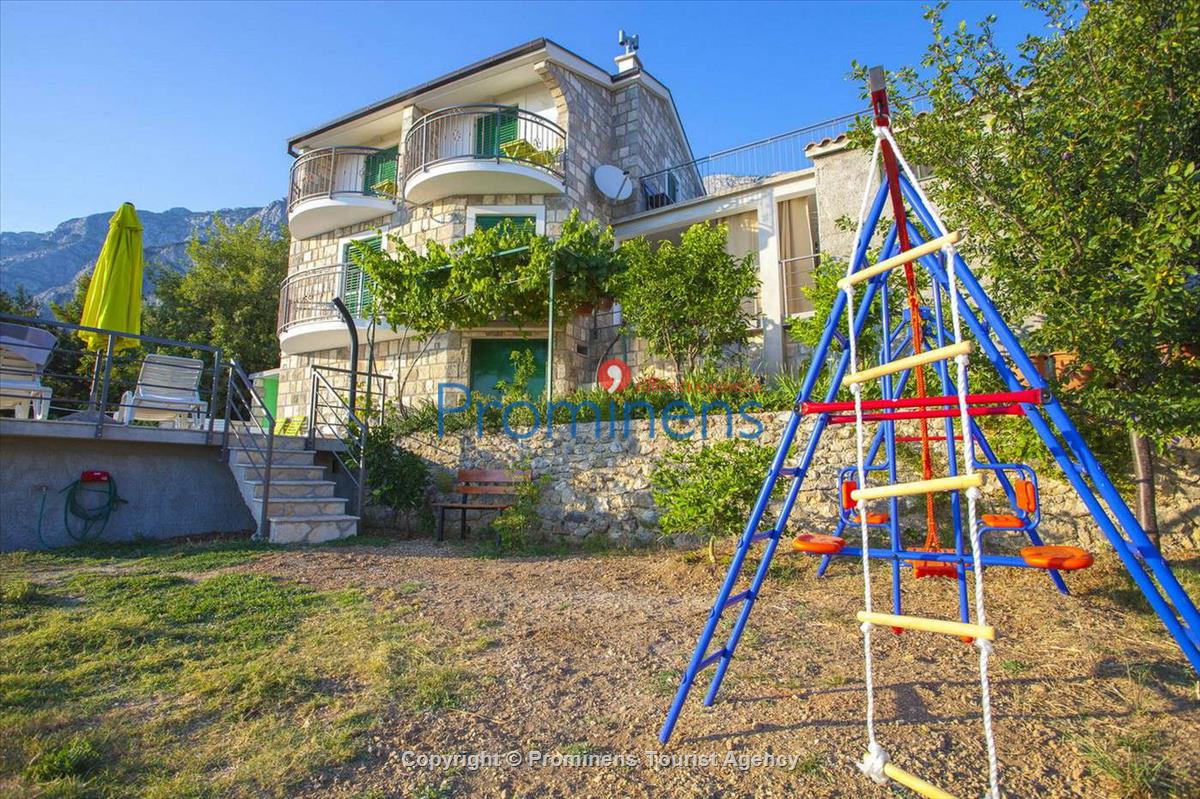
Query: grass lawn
154, 671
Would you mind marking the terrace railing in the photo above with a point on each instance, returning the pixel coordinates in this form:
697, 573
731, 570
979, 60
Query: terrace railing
737, 167
484, 131
366, 171
796, 274
51, 374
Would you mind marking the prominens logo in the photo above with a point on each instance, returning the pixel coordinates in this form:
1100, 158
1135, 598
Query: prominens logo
613, 375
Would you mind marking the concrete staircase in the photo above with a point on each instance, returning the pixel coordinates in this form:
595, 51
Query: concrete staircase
302, 507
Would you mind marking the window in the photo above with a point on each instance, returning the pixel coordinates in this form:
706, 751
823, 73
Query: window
488, 216
380, 173
493, 130
489, 221
357, 285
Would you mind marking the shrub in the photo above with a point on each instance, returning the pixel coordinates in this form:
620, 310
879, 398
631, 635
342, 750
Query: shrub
708, 492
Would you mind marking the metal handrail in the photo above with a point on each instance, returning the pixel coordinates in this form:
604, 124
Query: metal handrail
348, 426
790, 292
450, 134
743, 165
97, 403
331, 171
240, 387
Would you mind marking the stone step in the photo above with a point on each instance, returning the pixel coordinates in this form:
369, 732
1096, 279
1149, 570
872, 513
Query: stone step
311, 529
281, 442
284, 457
303, 506
246, 473
286, 487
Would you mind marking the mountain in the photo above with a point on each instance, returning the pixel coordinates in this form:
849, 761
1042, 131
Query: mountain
47, 264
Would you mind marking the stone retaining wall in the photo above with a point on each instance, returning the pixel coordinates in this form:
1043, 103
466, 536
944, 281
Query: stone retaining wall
601, 486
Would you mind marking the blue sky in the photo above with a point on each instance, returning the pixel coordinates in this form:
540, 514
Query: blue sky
182, 104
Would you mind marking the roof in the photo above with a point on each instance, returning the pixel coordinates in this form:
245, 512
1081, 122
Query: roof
520, 50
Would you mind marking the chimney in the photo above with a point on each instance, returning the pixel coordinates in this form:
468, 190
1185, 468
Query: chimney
627, 61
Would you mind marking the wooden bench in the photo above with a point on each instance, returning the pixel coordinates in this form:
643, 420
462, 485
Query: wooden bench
485, 484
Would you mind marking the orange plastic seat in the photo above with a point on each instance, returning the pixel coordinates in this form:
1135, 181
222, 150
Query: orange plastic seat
1057, 557
1001, 520
872, 518
818, 543
935, 568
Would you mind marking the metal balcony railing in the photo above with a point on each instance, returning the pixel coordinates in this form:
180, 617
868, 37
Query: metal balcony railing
364, 171
307, 297
484, 131
797, 274
745, 165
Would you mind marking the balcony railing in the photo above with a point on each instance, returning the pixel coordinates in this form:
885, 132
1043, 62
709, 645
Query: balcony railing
307, 297
797, 274
364, 171
745, 165
484, 132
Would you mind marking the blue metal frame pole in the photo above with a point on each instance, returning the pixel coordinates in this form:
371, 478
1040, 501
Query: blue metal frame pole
1187, 632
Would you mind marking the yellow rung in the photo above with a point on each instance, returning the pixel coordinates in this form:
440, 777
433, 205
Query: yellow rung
933, 245
956, 628
955, 483
920, 359
914, 783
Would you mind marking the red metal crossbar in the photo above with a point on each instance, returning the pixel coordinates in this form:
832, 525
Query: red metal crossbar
1030, 395
932, 413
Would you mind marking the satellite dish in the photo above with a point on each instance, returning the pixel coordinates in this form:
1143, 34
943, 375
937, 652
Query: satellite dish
613, 182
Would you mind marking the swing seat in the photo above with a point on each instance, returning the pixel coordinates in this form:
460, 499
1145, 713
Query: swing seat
1002, 520
818, 544
934, 568
872, 518
1062, 558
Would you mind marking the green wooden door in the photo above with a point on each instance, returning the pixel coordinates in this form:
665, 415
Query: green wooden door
491, 363
358, 287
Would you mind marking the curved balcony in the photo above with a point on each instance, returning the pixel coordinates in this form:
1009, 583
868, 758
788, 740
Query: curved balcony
307, 318
482, 149
340, 186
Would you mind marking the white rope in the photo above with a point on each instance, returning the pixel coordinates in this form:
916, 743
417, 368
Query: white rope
876, 757
985, 647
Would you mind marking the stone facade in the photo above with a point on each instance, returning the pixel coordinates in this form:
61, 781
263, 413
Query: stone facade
589, 111
600, 486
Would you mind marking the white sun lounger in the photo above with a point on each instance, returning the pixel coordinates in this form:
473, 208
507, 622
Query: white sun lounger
24, 352
168, 390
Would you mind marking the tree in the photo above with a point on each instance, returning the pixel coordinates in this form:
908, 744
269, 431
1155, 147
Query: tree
18, 303
490, 274
687, 300
1074, 169
229, 298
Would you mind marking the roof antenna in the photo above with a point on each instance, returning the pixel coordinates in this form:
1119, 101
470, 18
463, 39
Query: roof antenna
629, 42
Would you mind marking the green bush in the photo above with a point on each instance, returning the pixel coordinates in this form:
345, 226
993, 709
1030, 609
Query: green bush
708, 492
516, 523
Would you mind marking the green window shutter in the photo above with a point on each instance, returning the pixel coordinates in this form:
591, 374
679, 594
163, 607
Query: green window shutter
495, 220
380, 172
358, 287
672, 187
494, 129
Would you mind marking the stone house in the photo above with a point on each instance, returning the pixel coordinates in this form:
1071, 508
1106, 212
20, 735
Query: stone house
519, 136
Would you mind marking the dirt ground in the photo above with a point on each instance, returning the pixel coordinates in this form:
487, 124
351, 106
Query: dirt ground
580, 657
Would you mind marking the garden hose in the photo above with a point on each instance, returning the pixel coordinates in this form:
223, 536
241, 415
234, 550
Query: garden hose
94, 519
